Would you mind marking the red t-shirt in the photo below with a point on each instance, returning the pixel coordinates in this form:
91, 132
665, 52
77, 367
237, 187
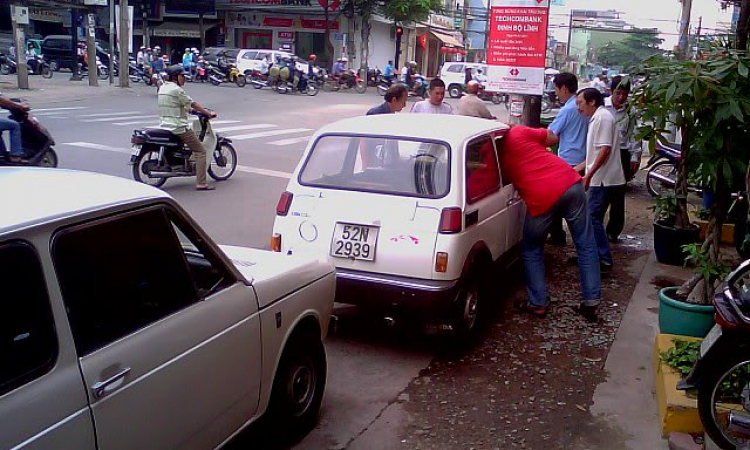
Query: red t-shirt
540, 176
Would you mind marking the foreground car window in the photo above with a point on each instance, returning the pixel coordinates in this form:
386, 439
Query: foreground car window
28, 346
378, 164
119, 275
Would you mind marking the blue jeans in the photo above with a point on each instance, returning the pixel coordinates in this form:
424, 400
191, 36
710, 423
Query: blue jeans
571, 206
600, 198
15, 135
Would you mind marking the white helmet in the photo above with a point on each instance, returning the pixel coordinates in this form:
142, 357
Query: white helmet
344, 59
194, 50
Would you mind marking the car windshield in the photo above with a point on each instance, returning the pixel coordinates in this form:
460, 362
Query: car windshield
379, 164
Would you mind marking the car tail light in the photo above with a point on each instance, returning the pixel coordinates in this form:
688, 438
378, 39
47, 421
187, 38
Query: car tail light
441, 262
285, 201
451, 220
276, 242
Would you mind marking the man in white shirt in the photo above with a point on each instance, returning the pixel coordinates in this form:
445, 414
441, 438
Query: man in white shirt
480, 78
434, 103
604, 179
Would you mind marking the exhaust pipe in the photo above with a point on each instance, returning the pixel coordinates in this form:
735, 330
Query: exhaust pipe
739, 422
666, 180
157, 174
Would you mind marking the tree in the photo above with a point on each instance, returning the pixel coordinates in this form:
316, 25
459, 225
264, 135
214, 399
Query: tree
631, 51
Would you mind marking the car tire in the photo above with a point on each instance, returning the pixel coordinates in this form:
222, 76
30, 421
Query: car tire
299, 385
468, 313
455, 91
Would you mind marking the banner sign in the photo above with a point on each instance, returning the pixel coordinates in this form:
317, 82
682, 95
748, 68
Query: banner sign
517, 46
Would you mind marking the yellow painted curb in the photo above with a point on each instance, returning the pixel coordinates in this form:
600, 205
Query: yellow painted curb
677, 412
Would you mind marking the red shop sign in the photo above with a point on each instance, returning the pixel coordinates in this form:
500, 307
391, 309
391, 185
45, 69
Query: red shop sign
286, 35
277, 22
320, 24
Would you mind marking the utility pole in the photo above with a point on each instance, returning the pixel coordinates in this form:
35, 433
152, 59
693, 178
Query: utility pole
76, 69
682, 46
91, 49
20, 16
111, 41
146, 37
124, 43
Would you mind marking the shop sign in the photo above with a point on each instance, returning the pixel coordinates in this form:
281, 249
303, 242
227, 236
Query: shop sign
46, 15
517, 46
441, 21
319, 24
516, 108
278, 22
286, 35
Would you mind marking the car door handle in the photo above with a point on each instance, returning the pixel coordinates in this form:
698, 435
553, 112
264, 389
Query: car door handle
102, 388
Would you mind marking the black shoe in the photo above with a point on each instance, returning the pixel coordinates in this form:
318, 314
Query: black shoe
536, 311
605, 267
587, 312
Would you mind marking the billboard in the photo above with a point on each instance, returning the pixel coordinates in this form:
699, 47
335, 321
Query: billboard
517, 46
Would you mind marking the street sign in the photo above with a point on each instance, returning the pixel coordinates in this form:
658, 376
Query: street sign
20, 14
517, 46
95, 2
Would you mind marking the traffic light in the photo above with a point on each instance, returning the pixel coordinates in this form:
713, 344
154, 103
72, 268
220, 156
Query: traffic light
399, 31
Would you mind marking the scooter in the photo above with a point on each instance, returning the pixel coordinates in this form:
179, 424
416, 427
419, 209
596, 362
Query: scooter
258, 80
662, 170
334, 83
722, 371
300, 85
374, 77
216, 76
7, 64
158, 154
201, 74
36, 140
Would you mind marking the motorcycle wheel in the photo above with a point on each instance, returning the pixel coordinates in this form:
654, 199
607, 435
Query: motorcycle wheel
49, 159
241, 80
360, 87
724, 389
311, 90
103, 73
741, 237
546, 105
496, 99
142, 168
223, 163
54, 66
46, 72
214, 81
382, 88
256, 82
282, 87
662, 169
4, 69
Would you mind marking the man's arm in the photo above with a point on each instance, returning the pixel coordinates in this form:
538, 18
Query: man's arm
9, 104
552, 139
197, 107
604, 152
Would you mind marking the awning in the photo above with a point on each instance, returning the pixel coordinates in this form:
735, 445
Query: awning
447, 39
180, 29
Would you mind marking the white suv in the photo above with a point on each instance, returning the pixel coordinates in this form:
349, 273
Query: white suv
249, 60
453, 75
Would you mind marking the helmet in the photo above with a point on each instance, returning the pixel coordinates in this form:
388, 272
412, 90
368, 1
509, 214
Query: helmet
187, 50
143, 48
194, 49
344, 59
157, 47
312, 57
174, 70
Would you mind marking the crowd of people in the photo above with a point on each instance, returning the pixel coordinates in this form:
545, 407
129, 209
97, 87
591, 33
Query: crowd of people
596, 155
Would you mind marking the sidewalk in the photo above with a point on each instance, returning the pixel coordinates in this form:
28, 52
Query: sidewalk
627, 400
59, 89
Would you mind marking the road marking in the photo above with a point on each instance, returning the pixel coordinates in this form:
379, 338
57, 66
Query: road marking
60, 109
291, 141
93, 146
244, 127
124, 113
52, 116
268, 133
135, 122
219, 122
112, 119
266, 172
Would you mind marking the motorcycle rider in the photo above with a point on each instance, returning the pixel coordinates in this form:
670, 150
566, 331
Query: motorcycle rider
187, 61
174, 104
6, 124
388, 71
31, 58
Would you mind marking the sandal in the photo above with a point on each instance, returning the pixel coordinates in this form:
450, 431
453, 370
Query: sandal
205, 188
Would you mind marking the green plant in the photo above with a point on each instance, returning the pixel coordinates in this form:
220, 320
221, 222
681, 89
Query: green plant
708, 269
703, 213
681, 356
665, 209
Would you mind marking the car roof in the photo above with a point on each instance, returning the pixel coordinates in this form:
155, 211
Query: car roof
443, 127
35, 195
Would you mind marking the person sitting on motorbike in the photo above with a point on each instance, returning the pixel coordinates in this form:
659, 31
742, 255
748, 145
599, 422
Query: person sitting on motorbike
415, 80
157, 66
225, 66
480, 78
31, 58
187, 61
141, 57
174, 104
16, 150
311, 66
337, 68
388, 72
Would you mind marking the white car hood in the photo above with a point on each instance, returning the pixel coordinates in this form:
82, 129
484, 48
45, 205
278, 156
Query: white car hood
275, 275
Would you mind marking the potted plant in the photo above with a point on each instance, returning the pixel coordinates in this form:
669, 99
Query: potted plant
708, 102
668, 239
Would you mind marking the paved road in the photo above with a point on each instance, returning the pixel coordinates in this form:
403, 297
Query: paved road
369, 366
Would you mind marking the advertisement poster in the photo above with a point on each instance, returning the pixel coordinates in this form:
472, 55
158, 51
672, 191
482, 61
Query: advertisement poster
517, 46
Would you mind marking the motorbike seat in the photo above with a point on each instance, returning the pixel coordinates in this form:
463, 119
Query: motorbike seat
161, 135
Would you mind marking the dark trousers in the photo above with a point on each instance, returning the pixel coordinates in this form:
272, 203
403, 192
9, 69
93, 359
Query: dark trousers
556, 231
616, 221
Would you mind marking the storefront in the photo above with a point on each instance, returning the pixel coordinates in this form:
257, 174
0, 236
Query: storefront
436, 44
298, 34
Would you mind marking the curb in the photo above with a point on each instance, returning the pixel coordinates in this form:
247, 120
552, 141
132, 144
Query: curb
677, 411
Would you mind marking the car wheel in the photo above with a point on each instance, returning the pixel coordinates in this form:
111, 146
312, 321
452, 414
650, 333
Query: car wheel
299, 385
455, 91
469, 310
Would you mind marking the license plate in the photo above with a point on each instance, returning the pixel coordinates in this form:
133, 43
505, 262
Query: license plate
354, 241
710, 339
135, 149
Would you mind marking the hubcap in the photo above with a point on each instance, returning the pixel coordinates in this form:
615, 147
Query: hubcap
470, 308
301, 388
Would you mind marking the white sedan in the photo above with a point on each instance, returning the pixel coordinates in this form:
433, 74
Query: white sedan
411, 208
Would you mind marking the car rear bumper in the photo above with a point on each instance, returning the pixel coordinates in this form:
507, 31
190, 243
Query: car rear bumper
431, 297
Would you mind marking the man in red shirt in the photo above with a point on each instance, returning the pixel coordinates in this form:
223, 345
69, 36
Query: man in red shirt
550, 187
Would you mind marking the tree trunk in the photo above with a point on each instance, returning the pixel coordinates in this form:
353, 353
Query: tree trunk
742, 25
364, 45
328, 54
681, 183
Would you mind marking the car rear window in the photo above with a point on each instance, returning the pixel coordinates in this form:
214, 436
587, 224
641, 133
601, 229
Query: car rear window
379, 164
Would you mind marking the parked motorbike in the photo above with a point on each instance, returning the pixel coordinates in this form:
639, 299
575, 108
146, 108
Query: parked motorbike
36, 140
216, 76
662, 170
549, 101
722, 371
352, 81
158, 154
300, 85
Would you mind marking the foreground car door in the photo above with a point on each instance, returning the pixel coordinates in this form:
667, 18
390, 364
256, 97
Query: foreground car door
168, 339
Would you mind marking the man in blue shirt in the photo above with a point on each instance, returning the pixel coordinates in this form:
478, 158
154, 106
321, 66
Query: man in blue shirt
569, 129
388, 73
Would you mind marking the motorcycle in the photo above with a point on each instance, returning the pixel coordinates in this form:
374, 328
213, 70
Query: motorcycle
201, 74
7, 64
36, 140
662, 170
216, 76
374, 77
385, 84
299, 84
158, 154
259, 80
352, 81
721, 373
40, 67
549, 101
